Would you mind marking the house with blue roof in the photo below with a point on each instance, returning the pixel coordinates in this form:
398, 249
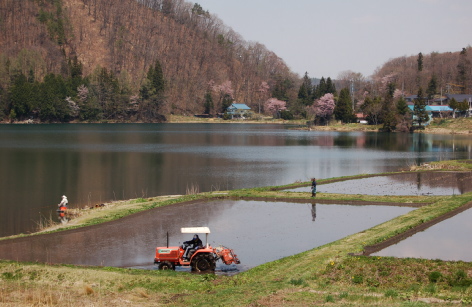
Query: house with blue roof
239, 110
428, 109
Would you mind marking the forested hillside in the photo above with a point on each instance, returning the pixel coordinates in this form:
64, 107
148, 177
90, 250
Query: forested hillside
427, 78
137, 60
451, 72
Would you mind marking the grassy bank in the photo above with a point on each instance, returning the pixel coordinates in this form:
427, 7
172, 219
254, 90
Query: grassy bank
333, 274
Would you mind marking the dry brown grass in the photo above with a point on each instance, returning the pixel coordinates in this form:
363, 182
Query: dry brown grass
39, 285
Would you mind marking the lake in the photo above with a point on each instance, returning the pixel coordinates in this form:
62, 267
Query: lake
96, 163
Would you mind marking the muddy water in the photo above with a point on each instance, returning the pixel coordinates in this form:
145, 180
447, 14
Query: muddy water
448, 240
431, 183
258, 232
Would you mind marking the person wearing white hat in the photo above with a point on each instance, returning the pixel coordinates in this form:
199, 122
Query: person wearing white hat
63, 202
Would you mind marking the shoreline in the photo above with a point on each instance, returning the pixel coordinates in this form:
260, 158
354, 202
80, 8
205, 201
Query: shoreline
459, 126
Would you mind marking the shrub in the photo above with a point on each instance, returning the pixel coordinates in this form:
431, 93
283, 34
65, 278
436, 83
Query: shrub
434, 277
460, 280
287, 115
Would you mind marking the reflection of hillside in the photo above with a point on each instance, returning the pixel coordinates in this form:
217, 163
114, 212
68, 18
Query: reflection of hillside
460, 181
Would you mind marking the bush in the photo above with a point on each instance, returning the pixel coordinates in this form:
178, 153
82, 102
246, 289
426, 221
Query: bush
287, 115
460, 280
434, 277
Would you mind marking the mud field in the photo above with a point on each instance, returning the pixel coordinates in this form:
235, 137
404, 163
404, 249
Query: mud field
258, 231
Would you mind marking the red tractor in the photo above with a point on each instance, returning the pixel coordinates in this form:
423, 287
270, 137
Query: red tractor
200, 260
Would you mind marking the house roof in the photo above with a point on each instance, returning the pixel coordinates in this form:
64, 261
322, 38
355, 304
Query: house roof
459, 97
440, 108
427, 108
240, 106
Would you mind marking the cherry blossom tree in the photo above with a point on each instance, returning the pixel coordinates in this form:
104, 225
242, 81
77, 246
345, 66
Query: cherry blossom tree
263, 90
82, 93
225, 92
274, 106
73, 107
324, 107
398, 94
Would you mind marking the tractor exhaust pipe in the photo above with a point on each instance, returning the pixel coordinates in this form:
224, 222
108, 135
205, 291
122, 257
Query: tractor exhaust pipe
167, 236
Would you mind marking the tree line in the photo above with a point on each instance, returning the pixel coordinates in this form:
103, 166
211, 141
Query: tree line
98, 97
381, 98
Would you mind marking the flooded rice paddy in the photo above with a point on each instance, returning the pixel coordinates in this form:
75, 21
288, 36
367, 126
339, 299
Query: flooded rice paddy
258, 232
429, 183
448, 240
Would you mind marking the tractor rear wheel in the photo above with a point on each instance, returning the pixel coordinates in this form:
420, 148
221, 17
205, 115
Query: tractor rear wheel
166, 265
203, 263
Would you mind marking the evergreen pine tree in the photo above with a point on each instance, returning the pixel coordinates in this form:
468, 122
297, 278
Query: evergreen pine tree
402, 107
305, 93
152, 93
22, 96
281, 88
420, 61
320, 89
388, 109
208, 103
432, 87
453, 104
463, 70
343, 109
463, 106
330, 87
419, 110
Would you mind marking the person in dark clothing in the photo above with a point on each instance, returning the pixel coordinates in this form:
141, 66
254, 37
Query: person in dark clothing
313, 187
195, 244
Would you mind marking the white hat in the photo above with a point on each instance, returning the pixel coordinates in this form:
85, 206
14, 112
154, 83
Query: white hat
63, 196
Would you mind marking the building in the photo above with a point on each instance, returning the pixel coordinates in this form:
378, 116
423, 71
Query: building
461, 98
428, 109
239, 110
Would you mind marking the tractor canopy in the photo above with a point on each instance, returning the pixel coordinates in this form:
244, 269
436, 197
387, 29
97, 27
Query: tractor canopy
204, 230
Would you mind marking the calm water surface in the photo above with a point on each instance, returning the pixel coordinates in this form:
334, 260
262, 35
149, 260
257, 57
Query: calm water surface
258, 232
432, 183
95, 163
448, 240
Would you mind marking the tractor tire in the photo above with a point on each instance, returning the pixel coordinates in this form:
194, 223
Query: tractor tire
166, 265
203, 263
